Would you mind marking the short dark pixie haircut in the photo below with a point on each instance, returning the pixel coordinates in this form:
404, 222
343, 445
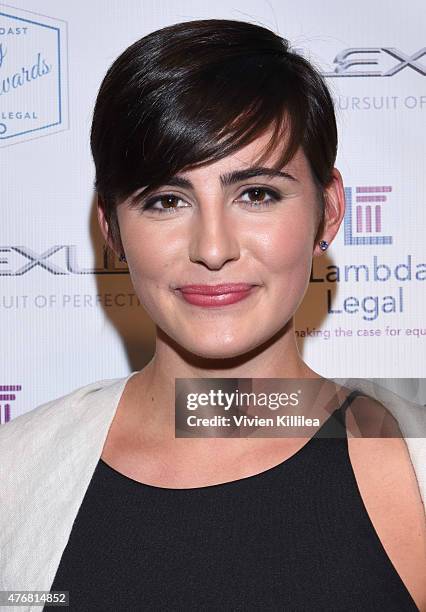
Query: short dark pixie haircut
194, 92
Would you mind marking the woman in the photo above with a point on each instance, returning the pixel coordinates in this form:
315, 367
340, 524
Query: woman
214, 146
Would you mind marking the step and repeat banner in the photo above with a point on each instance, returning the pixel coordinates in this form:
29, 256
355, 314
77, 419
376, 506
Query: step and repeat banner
68, 312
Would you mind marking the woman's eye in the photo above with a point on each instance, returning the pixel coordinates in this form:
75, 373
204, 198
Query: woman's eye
260, 197
168, 200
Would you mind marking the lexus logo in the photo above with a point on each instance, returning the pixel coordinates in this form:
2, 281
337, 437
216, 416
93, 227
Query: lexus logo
68, 261
374, 56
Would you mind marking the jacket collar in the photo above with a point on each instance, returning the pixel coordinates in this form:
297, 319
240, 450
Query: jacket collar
47, 461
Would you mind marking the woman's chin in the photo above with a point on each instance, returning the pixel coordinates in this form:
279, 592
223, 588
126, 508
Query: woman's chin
218, 349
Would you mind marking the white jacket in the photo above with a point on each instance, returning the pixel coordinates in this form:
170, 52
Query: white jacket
47, 459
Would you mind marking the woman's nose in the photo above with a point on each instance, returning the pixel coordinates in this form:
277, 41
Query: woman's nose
214, 238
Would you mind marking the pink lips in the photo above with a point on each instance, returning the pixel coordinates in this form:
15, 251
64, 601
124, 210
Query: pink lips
216, 295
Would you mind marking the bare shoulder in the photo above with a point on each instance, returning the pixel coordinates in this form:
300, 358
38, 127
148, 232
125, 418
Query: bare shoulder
389, 489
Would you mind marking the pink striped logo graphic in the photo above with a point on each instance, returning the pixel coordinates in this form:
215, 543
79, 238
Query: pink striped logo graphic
363, 222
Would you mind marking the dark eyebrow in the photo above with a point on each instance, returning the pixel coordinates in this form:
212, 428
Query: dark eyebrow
234, 177
241, 175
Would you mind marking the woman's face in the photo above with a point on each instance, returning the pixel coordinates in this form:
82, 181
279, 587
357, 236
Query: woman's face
258, 230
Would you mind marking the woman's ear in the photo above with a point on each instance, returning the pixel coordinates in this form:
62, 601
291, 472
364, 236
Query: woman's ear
103, 223
334, 210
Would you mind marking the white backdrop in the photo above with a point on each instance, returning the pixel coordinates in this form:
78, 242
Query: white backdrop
67, 317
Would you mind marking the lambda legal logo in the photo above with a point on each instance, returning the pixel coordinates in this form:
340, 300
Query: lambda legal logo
363, 222
7, 395
33, 80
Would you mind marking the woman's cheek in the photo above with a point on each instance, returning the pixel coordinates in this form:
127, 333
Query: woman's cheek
286, 250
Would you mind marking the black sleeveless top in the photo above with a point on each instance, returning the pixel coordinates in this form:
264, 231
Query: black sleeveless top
294, 537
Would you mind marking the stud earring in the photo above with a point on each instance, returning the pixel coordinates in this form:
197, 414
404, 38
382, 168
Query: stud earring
122, 257
323, 245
